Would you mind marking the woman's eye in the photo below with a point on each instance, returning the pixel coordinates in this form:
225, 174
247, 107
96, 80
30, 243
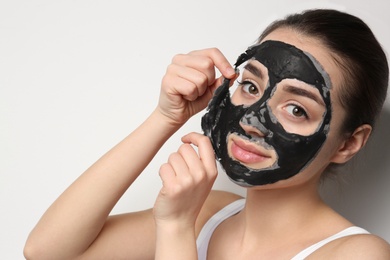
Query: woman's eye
296, 111
249, 87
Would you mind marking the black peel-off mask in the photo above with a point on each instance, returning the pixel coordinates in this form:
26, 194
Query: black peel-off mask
293, 151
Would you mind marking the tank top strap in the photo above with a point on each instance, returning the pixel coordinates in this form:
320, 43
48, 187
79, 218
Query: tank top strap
207, 231
346, 232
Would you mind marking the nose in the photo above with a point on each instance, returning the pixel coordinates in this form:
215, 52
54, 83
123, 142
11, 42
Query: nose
253, 131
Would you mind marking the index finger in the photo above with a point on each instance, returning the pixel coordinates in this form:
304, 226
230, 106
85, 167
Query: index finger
205, 150
219, 60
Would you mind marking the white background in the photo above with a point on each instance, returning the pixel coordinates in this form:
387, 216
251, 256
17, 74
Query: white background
78, 76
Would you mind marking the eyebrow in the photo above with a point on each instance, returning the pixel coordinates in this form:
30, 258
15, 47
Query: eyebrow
304, 93
254, 70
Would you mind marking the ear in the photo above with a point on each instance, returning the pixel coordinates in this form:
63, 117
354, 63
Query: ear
352, 144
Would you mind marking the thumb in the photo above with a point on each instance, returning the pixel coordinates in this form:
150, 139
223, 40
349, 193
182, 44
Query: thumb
218, 82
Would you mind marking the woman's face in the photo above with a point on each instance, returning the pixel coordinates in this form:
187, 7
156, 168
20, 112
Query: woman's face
281, 121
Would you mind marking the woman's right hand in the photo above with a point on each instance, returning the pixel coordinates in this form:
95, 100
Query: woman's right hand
190, 82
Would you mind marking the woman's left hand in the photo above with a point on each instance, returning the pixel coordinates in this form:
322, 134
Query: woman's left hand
187, 179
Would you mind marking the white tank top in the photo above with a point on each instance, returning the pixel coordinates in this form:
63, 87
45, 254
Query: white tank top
235, 207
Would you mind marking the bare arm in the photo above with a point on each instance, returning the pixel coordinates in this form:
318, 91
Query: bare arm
77, 223
75, 219
187, 180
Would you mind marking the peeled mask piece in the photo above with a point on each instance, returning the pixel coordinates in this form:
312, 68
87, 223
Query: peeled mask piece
293, 151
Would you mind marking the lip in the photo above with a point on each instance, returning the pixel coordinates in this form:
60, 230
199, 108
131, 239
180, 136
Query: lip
246, 152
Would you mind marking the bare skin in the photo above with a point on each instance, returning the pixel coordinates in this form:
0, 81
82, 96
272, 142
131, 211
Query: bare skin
278, 220
77, 223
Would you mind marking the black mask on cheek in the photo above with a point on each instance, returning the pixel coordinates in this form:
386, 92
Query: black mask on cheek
294, 151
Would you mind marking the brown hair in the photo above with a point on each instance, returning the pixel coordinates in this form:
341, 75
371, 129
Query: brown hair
359, 54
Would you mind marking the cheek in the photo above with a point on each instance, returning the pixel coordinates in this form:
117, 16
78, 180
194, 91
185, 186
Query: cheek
329, 149
235, 97
239, 97
336, 137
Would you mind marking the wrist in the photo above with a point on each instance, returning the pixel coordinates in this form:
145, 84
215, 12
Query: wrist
175, 226
175, 240
160, 119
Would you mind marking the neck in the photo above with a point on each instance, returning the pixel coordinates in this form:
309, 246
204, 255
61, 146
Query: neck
275, 213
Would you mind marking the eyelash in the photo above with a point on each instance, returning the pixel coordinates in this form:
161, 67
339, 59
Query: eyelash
248, 82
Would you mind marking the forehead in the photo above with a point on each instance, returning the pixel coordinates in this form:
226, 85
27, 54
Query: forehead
285, 61
316, 48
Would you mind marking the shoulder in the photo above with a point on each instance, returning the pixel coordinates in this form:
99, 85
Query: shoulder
216, 201
365, 246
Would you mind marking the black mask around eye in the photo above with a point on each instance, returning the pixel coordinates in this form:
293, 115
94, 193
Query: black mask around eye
294, 151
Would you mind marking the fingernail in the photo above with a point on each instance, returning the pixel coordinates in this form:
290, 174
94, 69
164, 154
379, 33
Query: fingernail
231, 71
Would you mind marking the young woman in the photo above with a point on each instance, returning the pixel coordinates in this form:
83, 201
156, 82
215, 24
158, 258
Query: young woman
307, 98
